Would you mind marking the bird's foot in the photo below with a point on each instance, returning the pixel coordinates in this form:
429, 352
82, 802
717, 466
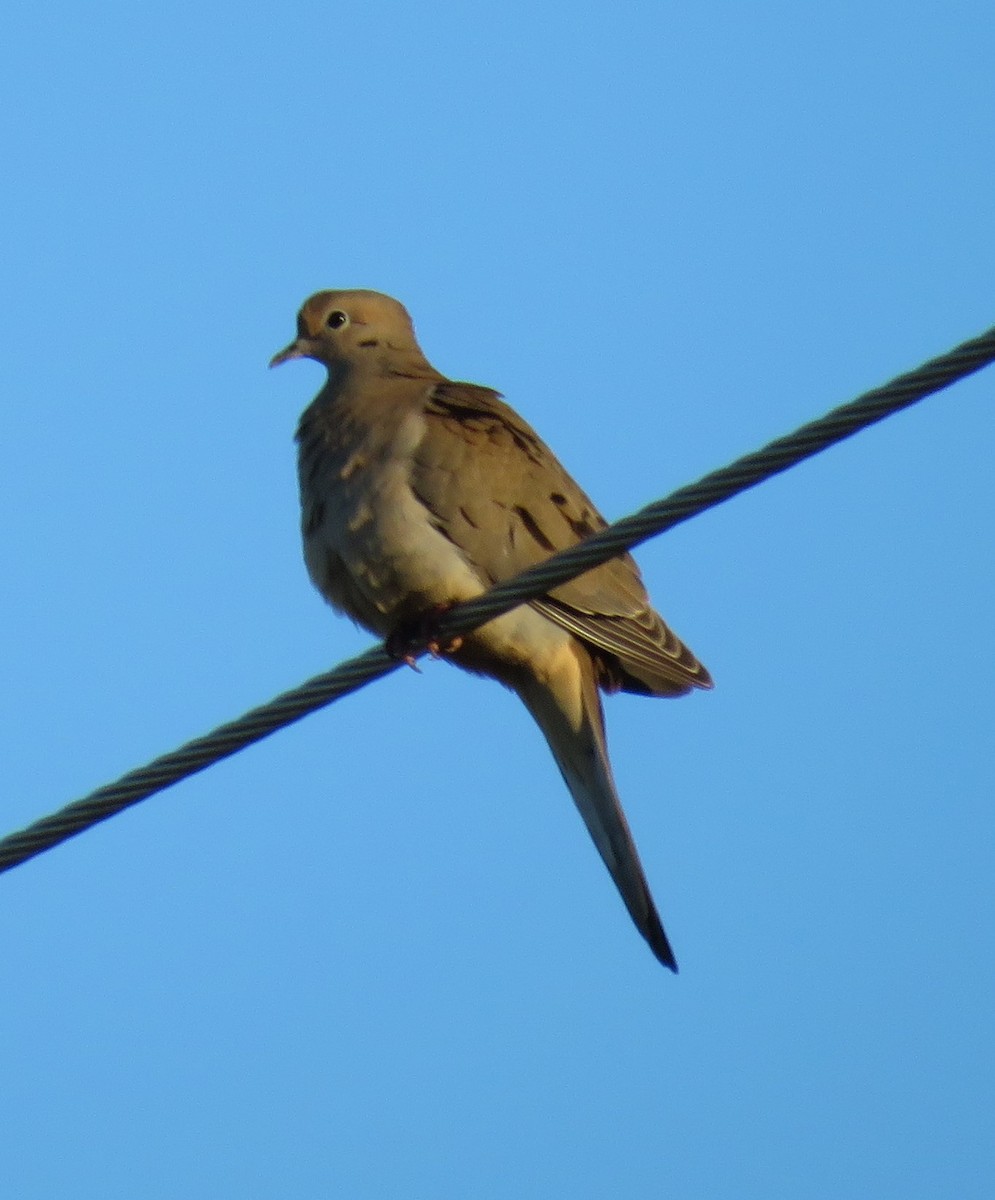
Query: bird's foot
423, 631
437, 647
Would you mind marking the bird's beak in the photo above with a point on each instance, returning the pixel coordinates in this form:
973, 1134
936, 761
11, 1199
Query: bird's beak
295, 350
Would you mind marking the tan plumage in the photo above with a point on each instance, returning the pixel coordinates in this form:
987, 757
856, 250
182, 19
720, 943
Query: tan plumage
418, 492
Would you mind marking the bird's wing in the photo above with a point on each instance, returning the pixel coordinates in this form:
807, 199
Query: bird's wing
501, 496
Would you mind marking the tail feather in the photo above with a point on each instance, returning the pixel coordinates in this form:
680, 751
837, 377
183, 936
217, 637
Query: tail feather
567, 708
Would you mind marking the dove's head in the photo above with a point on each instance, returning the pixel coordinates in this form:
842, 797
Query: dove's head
355, 329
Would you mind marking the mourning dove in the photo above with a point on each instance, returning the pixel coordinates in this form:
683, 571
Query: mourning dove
418, 492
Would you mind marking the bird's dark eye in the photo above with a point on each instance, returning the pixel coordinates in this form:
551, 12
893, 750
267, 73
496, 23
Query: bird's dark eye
337, 319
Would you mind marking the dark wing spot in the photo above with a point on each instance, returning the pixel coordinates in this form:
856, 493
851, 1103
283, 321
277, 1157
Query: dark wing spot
532, 526
441, 527
583, 525
466, 517
526, 443
463, 412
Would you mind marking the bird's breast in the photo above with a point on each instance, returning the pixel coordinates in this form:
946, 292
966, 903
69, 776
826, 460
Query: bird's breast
370, 545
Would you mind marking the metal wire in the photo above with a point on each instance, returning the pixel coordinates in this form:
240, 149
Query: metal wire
686, 502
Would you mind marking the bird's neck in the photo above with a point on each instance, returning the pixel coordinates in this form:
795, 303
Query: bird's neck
379, 364
387, 365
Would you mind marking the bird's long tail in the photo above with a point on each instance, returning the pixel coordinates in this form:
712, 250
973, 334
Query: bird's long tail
567, 708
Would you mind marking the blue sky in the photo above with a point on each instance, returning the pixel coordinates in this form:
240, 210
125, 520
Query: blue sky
376, 956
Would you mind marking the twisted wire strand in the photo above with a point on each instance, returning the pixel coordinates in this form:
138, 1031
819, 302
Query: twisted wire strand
709, 491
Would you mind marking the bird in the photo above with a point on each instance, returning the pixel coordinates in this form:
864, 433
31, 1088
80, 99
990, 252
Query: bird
418, 492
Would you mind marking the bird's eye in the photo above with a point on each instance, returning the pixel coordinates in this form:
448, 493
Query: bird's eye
337, 319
